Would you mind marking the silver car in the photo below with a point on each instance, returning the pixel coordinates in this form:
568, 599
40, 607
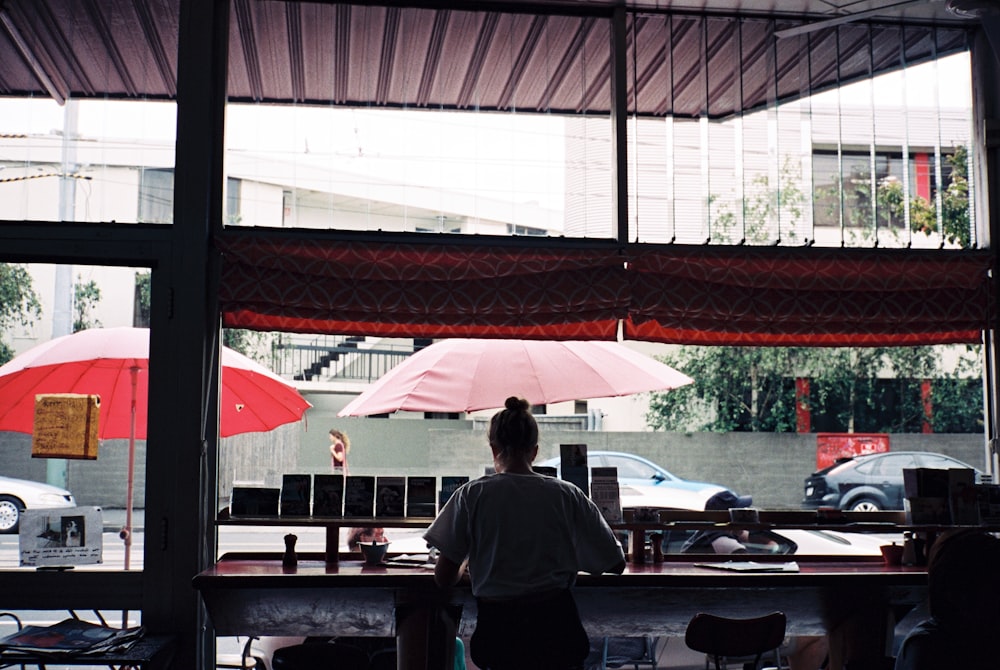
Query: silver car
643, 483
17, 495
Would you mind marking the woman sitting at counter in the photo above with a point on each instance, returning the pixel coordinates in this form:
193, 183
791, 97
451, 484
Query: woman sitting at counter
524, 537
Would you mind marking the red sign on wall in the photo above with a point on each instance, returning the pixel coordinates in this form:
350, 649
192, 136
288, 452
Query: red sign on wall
831, 446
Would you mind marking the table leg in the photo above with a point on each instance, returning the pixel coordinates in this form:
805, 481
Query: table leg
333, 544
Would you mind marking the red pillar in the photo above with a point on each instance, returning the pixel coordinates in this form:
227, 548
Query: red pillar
922, 163
925, 400
803, 417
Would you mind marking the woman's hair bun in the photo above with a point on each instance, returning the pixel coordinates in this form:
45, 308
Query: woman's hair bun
514, 403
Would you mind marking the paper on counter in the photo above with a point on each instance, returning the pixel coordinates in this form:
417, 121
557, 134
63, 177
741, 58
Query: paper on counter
751, 566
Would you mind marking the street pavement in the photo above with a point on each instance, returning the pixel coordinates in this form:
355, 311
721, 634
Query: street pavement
114, 519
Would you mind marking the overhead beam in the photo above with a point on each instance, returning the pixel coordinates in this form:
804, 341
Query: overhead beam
59, 93
845, 18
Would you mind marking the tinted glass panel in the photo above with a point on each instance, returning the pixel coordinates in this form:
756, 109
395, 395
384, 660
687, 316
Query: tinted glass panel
935, 461
630, 468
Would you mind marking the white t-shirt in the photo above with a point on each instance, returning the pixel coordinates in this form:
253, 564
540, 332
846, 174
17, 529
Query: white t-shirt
523, 533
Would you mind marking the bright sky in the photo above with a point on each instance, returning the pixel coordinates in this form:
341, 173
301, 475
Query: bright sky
946, 82
476, 153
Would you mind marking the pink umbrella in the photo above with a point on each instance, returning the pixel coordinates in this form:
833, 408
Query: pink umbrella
464, 375
112, 363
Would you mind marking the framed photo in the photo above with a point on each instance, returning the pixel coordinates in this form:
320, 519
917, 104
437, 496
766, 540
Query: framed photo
359, 496
296, 493
390, 496
421, 496
328, 495
61, 537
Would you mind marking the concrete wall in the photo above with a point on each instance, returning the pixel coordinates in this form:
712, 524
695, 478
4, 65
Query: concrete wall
257, 457
769, 466
100, 482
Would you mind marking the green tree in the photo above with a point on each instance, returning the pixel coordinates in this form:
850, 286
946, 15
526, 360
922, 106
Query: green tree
955, 219
769, 212
19, 305
251, 343
86, 295
875, 389
891, 206
852, 387
734, 389
957, 398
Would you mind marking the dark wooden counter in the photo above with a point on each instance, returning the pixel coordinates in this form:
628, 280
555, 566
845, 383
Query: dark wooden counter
260, 597
853, 601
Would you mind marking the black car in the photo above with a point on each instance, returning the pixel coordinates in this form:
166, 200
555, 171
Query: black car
871, 482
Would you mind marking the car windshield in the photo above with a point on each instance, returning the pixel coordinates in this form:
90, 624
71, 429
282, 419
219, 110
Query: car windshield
631, 468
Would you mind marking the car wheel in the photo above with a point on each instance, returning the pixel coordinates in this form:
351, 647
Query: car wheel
865, 505
10, 514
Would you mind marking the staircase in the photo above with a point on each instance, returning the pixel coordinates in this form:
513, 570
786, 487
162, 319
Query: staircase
327, 357
315, 369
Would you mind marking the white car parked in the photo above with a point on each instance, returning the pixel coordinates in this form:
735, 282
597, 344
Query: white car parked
17, 495
643, 483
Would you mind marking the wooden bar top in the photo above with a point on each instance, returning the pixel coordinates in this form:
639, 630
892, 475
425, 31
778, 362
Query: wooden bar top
250, 596
337, 594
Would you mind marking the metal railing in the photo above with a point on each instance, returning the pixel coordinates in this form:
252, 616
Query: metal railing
332, 357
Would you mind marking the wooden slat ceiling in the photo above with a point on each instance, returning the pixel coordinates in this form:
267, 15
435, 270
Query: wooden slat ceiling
696, 60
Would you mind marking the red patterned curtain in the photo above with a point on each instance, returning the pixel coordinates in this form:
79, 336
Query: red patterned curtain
420, 290
809, 296
686, 295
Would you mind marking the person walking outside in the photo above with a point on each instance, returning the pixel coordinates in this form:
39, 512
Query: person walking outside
340, 444
523, 538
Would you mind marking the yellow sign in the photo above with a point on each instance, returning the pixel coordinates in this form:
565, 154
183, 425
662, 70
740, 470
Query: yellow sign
65, 426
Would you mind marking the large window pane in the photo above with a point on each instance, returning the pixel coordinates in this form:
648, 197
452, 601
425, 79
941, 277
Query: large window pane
500, 142
59, 300
760, 145
87, 160
394, 170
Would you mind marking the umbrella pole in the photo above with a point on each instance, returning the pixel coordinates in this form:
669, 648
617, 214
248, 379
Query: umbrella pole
127, 530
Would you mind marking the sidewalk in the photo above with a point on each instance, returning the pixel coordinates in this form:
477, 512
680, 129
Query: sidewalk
114, 519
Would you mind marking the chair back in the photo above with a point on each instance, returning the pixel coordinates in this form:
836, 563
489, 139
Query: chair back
320, 656
723, 637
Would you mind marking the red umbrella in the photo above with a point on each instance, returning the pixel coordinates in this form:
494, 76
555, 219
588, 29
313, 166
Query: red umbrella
113, 364
100, 360
464, 375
